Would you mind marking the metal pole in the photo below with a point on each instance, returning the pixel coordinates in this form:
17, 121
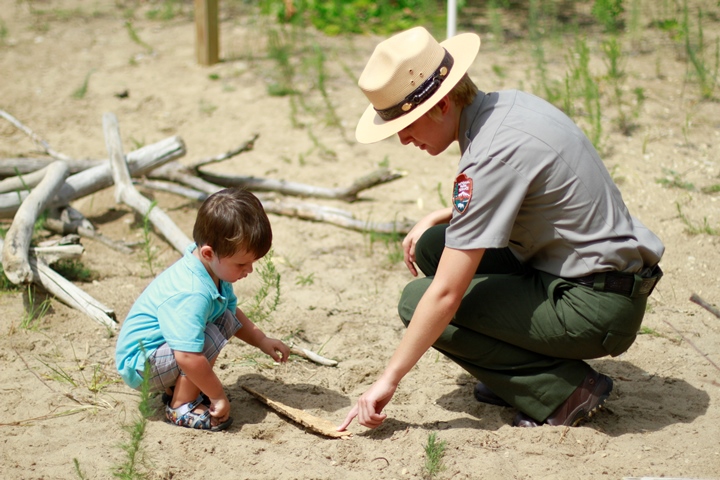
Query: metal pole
451, 18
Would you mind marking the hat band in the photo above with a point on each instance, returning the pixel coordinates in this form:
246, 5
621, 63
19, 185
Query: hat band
420, 94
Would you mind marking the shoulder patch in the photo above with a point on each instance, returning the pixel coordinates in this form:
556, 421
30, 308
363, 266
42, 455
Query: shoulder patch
462, 193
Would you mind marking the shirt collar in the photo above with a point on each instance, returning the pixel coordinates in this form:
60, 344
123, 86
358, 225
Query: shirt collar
198, 269
467, 117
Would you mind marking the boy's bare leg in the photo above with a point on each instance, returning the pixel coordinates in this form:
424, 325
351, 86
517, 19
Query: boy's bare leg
185, 392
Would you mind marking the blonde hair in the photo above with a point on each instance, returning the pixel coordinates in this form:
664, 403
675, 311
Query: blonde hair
461, 95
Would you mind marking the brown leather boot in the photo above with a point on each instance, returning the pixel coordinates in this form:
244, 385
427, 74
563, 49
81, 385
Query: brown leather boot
582, 404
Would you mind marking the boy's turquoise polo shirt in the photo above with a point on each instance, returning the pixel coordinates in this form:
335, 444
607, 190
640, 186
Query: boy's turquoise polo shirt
174, 309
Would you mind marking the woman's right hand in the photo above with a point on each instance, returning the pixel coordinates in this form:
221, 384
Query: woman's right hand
417, 231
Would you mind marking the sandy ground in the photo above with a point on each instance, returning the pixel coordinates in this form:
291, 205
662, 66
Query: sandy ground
339, 288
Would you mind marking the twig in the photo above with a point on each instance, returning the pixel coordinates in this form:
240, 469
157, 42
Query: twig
692, 345
246, 147
696, 299
34, 136
310, 355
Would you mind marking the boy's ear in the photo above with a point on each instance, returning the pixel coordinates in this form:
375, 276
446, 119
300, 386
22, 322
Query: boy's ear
206, 252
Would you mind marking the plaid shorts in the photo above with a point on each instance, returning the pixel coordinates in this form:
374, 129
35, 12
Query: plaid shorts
164, 370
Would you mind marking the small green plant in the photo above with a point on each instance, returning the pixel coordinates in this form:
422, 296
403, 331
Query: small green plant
34, 310
3, 32
693, 229
130, 468
206, 107
608, 14
148, 251
82, 89
584, 86
434, 452
704, 69
280, 50
73, 270
305, 280
135, 37
649, 331
79, 472
168, 10
673, 179
263, 304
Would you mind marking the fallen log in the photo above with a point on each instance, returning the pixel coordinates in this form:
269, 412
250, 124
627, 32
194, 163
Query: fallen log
15, 255
126, 193
311, 422
93, 179
66, 292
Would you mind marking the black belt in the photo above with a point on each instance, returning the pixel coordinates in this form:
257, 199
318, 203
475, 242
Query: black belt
629, 284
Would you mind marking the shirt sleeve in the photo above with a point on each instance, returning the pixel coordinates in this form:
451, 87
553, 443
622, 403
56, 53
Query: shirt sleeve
487, 220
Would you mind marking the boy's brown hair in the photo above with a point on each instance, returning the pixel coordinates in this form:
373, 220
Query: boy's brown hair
231, 220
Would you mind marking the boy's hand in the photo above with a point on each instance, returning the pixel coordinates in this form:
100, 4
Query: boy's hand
275, 348
220, 408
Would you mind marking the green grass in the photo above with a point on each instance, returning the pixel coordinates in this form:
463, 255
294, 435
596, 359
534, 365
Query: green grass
434, 452
131, 467
35, 309
73, 270
267, 298
82, 90
694, 229
148, 251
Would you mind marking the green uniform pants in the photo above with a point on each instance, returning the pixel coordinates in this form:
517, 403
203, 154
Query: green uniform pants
523, 332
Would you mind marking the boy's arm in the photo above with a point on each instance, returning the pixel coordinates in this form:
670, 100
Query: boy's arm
252, 335
200, 373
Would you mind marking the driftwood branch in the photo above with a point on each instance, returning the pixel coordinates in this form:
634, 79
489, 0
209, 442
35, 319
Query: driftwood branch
96, 178
246, 147
69, 294
303, 210
10, 167
126, 193
311, 422
15, 255
348, 194
33, 136
312, 356
696, 299
57, 226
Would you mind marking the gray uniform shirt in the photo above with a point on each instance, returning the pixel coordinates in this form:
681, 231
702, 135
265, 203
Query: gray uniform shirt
534, 183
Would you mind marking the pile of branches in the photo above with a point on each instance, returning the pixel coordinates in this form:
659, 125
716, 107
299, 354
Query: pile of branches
31, 186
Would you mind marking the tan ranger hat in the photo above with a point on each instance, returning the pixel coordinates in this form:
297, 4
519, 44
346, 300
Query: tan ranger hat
407, 75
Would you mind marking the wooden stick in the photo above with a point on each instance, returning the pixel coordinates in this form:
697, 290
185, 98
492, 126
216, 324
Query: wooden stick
692, 345
696, 299
69, 294
96, 178
348, 194
10, 167
15, 255
312, 423
33, 136
246, 147
312, 356
126, 193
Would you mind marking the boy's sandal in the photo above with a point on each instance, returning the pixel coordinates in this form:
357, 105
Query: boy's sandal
184, 416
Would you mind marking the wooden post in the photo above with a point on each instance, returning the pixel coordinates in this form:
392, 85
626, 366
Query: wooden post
206, 32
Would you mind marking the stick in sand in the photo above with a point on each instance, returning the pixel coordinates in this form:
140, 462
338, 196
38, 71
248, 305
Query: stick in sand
310, 422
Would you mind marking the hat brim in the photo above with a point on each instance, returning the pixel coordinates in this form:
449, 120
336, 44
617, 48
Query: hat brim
463, 48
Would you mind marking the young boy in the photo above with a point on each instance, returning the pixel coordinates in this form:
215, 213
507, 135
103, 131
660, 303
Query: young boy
188, 313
